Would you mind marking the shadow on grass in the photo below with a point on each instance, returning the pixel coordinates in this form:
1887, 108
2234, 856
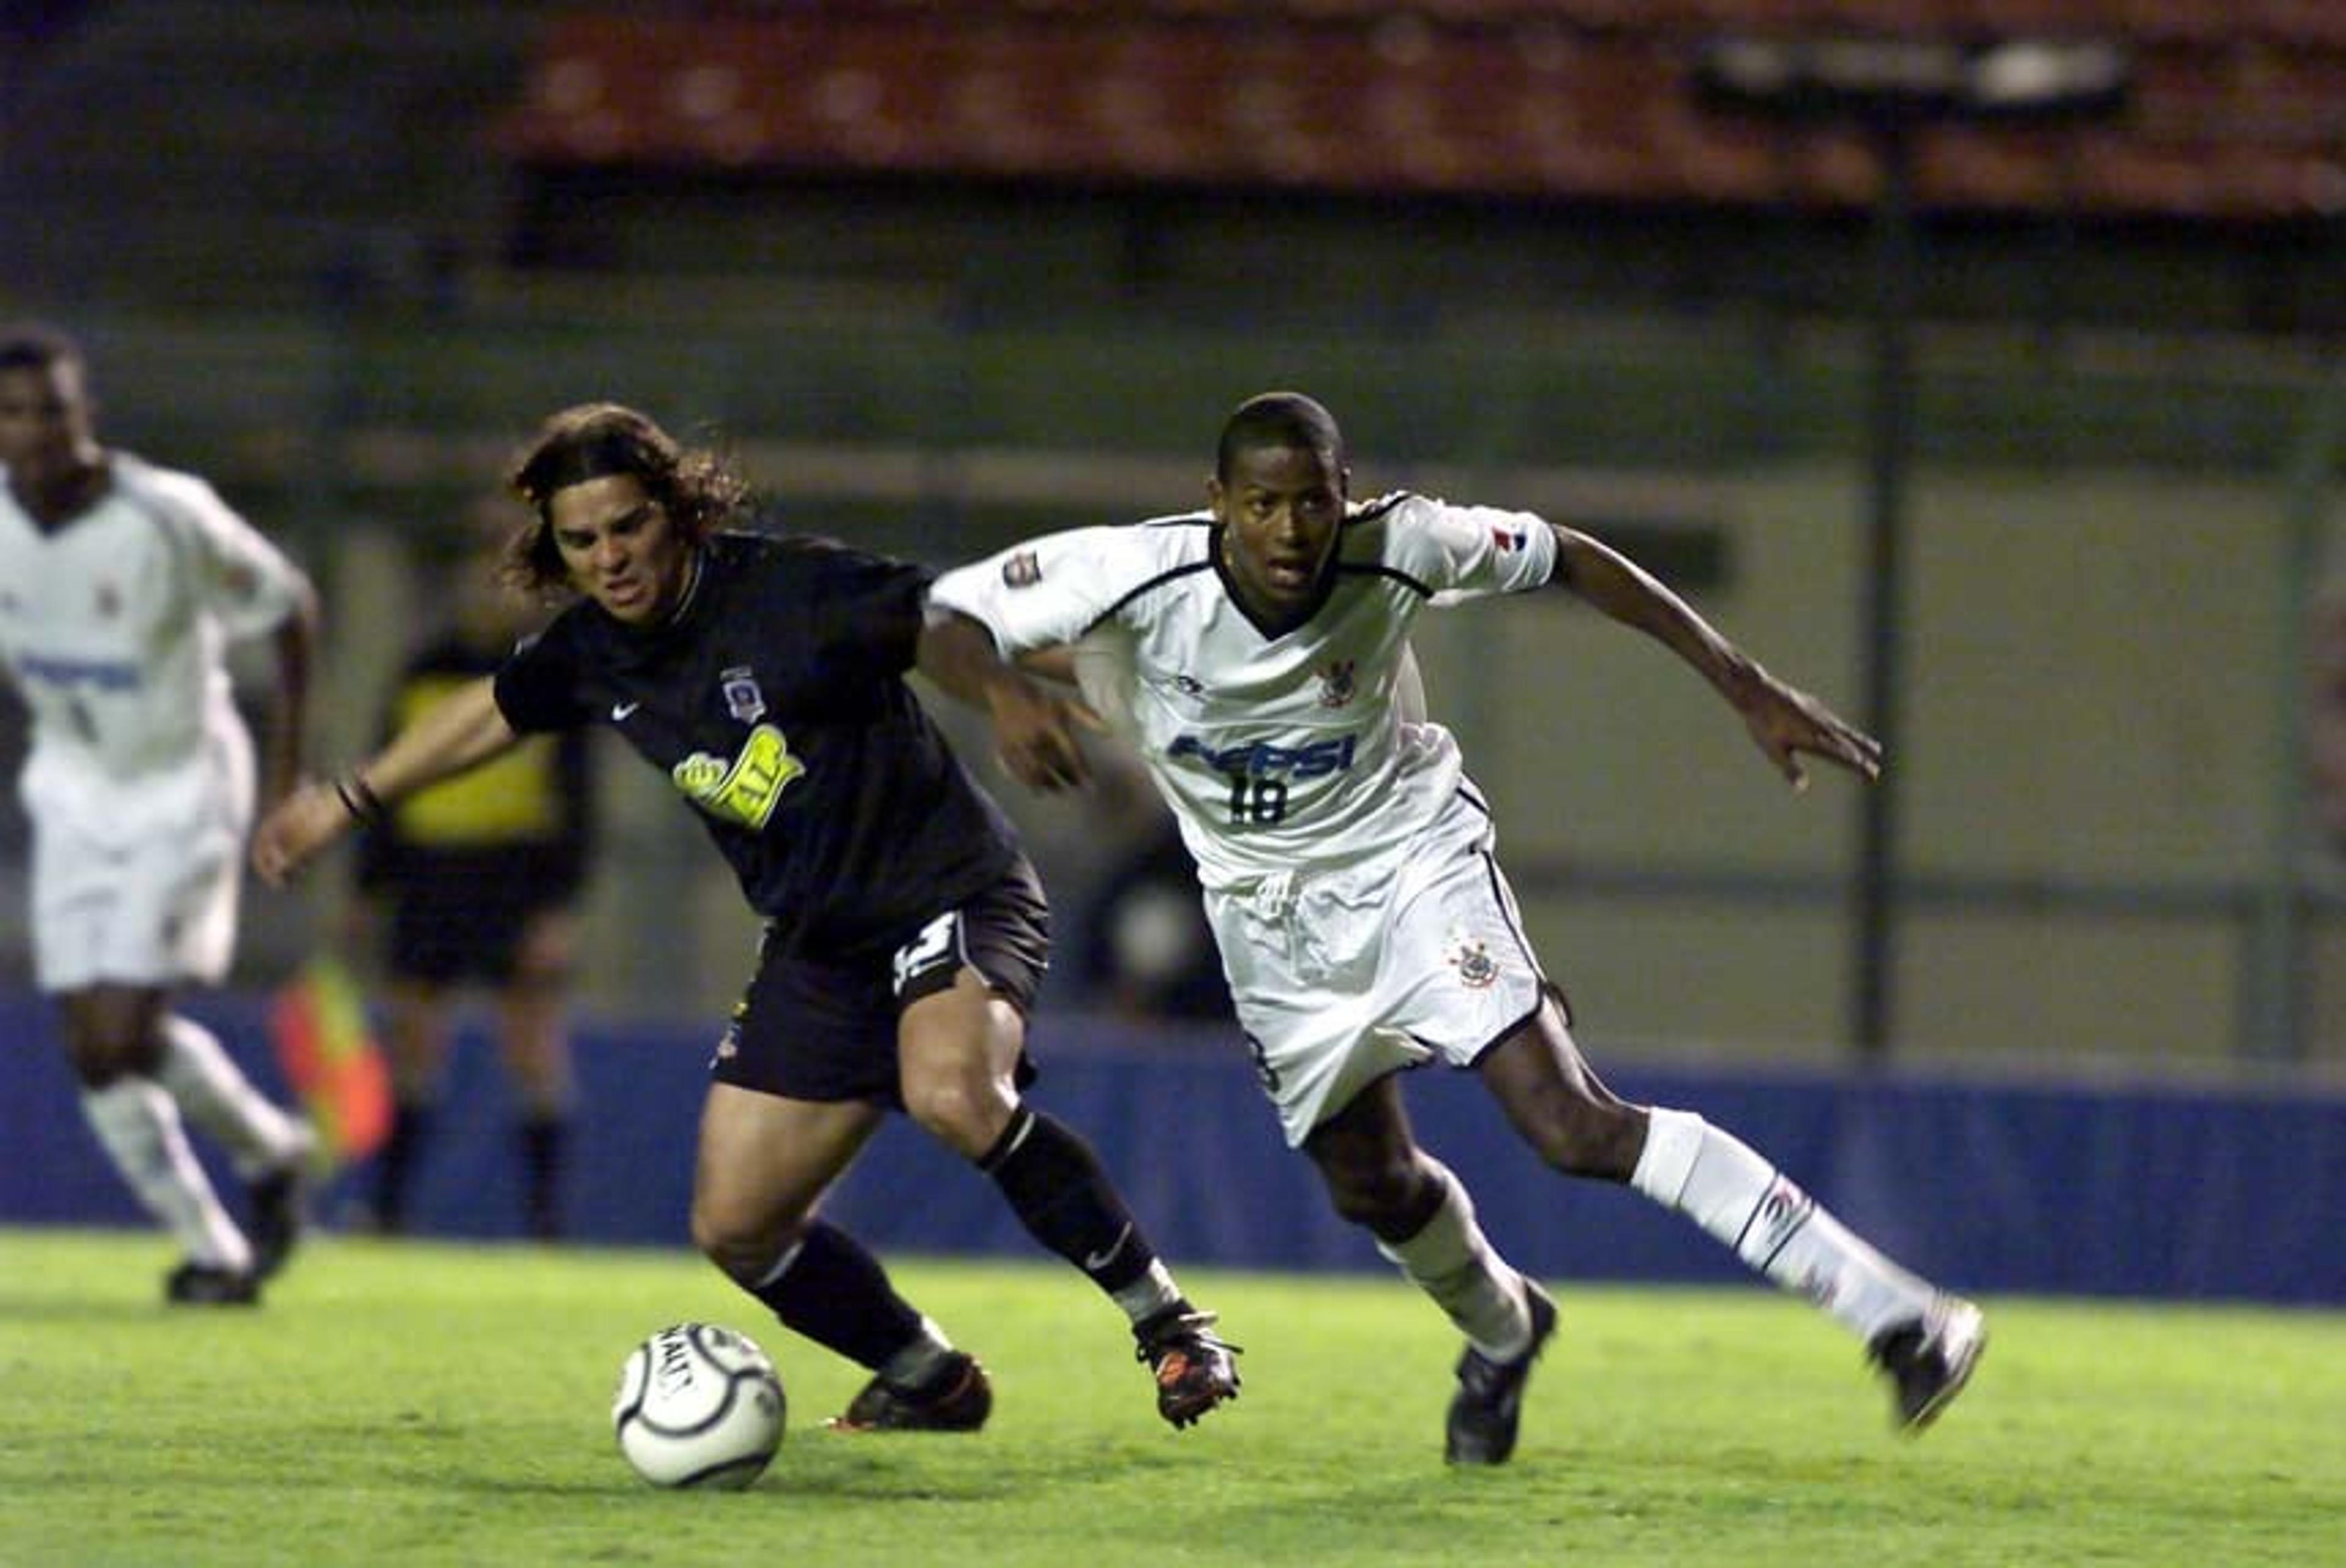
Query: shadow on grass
904, 1468
84, 1312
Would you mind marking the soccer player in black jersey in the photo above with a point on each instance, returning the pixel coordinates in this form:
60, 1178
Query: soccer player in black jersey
905, 932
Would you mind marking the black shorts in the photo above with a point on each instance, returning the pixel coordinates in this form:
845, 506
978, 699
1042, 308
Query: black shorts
825, 1029
447, 928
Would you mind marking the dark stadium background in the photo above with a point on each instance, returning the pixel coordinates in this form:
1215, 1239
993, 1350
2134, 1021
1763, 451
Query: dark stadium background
2017, 434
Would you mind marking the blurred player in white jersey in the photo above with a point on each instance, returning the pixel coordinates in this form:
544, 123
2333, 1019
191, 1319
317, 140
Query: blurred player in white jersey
121, 585
1257, 656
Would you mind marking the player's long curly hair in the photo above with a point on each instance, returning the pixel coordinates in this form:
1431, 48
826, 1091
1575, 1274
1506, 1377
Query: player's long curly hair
695, 487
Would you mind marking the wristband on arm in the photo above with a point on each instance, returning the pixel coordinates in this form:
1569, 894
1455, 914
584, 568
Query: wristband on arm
358, 798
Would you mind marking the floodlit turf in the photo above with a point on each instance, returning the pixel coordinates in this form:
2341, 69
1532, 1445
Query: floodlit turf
410, 1404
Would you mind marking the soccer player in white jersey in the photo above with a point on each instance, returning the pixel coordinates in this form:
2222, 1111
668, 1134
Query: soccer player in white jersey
1257, 656
121, 585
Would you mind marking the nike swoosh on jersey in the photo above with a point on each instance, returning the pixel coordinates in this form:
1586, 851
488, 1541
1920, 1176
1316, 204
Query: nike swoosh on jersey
620, 711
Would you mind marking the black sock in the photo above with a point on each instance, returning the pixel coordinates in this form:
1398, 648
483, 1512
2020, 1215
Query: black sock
1062, 1195
544, 1142
411, 1129
836, 1294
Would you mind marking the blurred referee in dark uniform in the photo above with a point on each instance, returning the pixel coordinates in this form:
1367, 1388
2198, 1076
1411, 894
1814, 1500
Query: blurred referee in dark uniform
473, 884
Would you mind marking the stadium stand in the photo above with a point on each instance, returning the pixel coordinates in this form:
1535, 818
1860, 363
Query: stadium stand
2237, 112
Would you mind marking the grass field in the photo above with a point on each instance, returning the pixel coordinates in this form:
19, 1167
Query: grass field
413, 1403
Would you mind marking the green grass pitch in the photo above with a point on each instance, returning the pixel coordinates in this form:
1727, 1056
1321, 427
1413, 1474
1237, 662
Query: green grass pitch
429, 1404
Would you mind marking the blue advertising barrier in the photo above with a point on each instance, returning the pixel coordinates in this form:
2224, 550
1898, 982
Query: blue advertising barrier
2147, 1192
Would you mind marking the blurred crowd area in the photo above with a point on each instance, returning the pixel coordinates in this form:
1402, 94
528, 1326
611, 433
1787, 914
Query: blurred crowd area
942, 275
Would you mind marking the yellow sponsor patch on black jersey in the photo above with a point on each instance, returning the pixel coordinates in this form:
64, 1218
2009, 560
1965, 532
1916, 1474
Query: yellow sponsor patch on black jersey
744, 790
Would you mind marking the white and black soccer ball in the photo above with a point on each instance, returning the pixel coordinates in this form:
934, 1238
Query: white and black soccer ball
699, 1405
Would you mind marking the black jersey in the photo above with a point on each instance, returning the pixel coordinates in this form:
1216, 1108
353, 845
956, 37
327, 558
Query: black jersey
774, 700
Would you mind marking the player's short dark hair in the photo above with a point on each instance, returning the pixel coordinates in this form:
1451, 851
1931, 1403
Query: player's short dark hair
1279, 419
36, 346
695, 487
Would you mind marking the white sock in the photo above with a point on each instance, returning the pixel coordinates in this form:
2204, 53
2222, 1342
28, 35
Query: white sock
139, 1126
1716, 1180
1451, 1261
1150, 1294
217, 1096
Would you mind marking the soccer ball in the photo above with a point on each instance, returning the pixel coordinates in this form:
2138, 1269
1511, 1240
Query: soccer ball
699, 1405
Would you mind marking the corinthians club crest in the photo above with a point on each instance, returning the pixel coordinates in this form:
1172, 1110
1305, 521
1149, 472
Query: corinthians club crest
1338, 681
1477, 969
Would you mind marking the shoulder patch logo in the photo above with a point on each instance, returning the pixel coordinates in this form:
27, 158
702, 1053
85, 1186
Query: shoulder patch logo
1023, 570
1509, 540
745, 789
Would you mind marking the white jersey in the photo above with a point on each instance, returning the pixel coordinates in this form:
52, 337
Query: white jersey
115, 628
1280, 756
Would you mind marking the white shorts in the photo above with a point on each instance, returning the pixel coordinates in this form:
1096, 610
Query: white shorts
159, 910
1341, 978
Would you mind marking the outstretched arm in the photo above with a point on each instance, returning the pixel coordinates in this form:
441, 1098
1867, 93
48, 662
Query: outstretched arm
295, 643
1033, 727
1784, 721
461, 731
